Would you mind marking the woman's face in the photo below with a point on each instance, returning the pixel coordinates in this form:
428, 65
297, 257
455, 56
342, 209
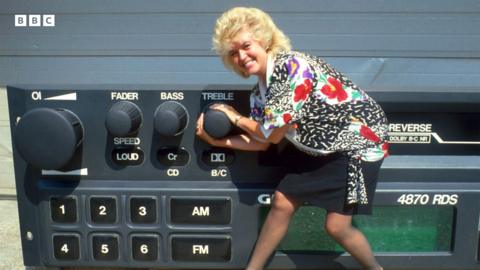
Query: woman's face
248, 55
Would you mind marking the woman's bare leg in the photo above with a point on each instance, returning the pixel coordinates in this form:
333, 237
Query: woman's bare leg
340, 228
273, 230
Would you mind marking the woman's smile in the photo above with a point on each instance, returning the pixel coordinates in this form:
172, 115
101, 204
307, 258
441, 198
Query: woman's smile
248, 54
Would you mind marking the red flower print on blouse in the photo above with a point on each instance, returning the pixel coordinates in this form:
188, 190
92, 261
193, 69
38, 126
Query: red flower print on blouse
287, 117
302, 91
367, 133
385, 149
334, 89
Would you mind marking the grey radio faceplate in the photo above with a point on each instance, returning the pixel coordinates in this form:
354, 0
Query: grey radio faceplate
154, 195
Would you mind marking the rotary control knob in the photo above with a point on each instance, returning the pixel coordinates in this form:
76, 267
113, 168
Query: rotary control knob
216, 123
123, 118
47, 138
170, 118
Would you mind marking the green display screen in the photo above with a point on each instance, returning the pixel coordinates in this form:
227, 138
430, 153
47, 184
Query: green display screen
389, 229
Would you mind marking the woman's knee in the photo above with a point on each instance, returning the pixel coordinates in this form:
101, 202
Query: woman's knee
338, 226
283, 204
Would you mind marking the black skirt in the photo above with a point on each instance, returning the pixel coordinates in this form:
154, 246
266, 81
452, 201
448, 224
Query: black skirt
322, 181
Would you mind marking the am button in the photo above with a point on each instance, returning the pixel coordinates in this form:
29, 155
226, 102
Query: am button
200, 211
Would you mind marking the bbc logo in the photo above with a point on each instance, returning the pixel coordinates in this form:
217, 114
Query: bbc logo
35, 20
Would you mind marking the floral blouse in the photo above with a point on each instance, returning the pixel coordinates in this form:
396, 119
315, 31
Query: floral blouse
326, 111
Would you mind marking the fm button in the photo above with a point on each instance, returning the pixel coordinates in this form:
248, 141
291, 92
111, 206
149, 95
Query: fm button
199, 248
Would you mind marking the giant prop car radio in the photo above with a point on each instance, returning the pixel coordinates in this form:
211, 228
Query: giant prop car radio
115, 176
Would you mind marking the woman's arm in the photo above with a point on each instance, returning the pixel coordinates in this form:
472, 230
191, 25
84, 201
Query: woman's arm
241, 142
252, 127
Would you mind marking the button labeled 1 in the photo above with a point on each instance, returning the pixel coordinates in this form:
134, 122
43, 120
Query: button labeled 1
63, 210
201, 249
66, 247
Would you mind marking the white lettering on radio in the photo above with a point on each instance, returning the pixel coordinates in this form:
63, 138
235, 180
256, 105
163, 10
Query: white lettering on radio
217, 96
171, 96
124, 96
409, 127
126, 141
410, 133
127, 156
200, 249
427, 199
201, 211
265, 199
37, 95
219, 173
173, 172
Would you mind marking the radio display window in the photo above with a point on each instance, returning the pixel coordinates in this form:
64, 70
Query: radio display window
389, 229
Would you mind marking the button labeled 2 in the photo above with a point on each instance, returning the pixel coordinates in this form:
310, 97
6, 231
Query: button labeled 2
103, 209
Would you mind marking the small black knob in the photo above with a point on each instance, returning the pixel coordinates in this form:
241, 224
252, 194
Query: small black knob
123, 118
216, 123
170, 118
47, 138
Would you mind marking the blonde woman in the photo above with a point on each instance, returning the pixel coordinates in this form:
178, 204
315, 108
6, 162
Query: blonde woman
339, 131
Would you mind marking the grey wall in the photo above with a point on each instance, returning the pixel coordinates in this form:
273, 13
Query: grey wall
408, 45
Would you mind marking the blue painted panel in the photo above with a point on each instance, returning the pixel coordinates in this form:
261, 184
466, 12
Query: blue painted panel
366, 28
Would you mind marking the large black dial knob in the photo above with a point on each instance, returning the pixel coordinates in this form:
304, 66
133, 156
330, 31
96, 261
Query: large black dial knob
216, 123
170, 118
123, 118
47, 138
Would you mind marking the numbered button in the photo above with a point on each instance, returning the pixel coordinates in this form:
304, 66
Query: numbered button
103, 209
63, 210
145, 247
105, 247
66, 247
143, 210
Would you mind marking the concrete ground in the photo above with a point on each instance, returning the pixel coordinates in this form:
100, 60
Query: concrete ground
10, 246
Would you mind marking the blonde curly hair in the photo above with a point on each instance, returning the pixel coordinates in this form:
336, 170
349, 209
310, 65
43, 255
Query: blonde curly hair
259, 23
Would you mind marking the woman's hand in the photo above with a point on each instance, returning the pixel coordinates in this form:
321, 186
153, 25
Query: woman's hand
200, 132
231, 113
